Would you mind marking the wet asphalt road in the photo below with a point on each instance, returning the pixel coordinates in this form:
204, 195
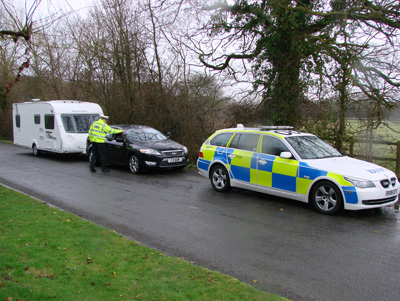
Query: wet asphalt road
285, 246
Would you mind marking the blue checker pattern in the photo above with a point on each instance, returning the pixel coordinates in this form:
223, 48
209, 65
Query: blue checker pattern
269, 159
241, 173
306, 172
284, 182
203, 164
350, 194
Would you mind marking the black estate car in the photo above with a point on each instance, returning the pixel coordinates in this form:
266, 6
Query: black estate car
142, 147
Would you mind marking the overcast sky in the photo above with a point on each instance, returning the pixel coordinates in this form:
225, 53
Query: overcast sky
48, 7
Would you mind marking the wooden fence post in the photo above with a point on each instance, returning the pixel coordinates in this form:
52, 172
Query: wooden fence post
397, 205
398, 160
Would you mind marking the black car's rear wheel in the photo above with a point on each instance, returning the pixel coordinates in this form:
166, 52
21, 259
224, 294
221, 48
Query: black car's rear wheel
134, 164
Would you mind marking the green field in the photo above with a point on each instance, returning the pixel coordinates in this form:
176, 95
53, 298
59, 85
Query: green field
388, 131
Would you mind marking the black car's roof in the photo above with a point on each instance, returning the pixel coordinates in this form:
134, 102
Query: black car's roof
130, 126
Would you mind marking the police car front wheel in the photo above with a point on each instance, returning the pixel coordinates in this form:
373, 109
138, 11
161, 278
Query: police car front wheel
326, 198
220, 178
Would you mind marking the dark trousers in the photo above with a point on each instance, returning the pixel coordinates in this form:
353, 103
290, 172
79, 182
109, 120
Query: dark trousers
99, 153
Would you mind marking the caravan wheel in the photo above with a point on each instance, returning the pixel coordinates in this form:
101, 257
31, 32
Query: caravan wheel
35, 151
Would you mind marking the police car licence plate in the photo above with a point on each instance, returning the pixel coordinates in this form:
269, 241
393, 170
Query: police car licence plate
174, 160
391, 192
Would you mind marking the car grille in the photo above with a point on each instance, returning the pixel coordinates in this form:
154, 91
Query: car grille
386, 182
173, 153
165, 163
377, 202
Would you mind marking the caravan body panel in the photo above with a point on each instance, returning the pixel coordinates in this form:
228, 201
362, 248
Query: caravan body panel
59, 126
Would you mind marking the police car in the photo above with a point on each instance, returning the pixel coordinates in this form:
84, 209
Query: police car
300, 166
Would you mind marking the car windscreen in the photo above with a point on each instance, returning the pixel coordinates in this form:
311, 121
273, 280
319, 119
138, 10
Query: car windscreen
144, 134
312, 147
78, 123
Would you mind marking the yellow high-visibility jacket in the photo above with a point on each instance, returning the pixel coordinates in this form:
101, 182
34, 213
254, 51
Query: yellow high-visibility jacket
99, 129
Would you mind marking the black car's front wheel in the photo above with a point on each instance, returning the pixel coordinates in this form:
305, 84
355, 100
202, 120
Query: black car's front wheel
326, 198
220, 178
134, 164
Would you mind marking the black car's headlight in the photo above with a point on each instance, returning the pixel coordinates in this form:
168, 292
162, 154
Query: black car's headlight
185, 150
149, 151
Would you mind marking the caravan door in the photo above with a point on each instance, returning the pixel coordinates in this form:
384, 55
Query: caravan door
51, 133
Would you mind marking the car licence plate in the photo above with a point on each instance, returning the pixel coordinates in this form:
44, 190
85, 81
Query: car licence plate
391, 192
174, 160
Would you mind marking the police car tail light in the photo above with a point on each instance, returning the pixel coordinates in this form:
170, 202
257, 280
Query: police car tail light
360, 183
201, 154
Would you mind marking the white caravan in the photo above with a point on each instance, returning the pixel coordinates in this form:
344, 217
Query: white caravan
59, 126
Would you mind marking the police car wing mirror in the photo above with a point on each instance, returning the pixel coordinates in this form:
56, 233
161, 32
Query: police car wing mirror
286, 155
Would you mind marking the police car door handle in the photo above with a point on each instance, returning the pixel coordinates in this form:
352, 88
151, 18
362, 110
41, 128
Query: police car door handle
262, 162
231, 156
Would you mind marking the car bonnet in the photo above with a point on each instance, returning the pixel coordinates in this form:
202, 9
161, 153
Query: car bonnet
160, 145
351, 167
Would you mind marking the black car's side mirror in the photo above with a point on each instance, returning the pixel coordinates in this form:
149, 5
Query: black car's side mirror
110, 137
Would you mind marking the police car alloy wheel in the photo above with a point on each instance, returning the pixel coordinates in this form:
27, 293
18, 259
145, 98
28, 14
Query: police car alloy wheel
220, 178
326, 198
134, 164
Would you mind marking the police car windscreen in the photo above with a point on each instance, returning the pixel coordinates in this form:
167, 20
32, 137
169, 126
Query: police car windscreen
312, 147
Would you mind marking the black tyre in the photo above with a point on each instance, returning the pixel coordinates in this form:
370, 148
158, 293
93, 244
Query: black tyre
35, 151
90, 155
134, 164
219, 178
326, 198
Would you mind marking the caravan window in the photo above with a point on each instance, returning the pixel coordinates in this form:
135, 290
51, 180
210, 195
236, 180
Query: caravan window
49, 122
36, 118
79, 123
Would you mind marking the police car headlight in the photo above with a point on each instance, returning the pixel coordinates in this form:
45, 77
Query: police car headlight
360, 183
149, 151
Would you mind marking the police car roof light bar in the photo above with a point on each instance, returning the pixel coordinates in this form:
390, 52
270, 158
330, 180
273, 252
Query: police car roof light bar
275, 127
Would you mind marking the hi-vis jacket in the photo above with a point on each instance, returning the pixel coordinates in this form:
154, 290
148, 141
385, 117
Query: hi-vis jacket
99, 129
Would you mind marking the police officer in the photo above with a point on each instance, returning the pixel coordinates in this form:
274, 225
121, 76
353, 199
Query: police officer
97, 135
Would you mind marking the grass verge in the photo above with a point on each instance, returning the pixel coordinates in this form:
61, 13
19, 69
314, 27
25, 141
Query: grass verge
46, 253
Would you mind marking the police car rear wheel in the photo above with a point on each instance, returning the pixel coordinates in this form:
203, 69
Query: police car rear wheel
134, 164
326, 198
220, 178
